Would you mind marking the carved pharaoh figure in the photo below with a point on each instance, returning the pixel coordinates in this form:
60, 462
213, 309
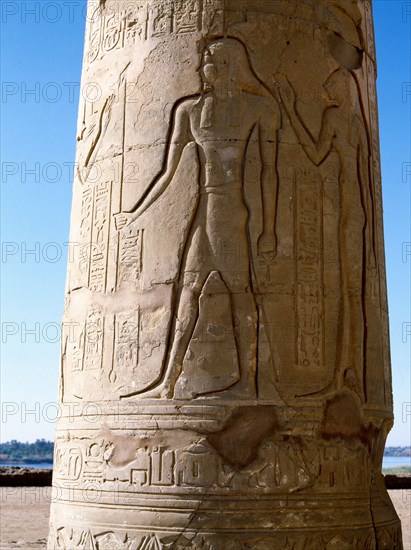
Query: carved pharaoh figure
343, 130
220, 121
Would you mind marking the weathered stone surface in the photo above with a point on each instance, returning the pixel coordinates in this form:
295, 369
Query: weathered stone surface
225, 375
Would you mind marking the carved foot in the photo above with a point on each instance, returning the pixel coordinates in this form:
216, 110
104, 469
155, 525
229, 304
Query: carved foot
233, 392
159, 392
327, 391
238, 391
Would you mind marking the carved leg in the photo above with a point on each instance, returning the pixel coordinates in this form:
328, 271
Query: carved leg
246, 327
181, 332
351, 357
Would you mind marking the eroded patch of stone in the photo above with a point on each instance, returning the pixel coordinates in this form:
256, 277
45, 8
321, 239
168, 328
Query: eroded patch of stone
239, 441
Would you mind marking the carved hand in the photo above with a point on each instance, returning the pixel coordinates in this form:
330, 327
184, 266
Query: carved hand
286, 90
123, 218
371, 259
267, 245
109, 105
276, 89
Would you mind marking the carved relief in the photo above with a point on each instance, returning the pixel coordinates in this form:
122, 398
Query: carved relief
126, 350
135, 23
370, 29
309, 272
133, 340
100, 237
164, 468
187, 16
389, 538
112, 32
343, 35
93, 352
80, 539
283, 466
372, 104
203, 119
93, 462
85, 235
343, 131
161, 18
79, 335
68, 462
130, 257
95, 236
343, 468
213, 17
139, 348
93, 127
94, 35
150, 543
140, 21
211, 361
83, 353
254, 283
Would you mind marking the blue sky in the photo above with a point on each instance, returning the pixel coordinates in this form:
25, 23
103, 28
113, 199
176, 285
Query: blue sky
42, 48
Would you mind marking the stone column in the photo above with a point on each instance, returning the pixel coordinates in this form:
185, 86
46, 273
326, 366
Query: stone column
225, 376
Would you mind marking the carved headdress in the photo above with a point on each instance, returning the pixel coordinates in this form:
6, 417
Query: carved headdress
229, 55
230, 58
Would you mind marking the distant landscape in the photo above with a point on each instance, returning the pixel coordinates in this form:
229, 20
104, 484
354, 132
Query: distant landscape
397, 451
42, 451
37, 452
